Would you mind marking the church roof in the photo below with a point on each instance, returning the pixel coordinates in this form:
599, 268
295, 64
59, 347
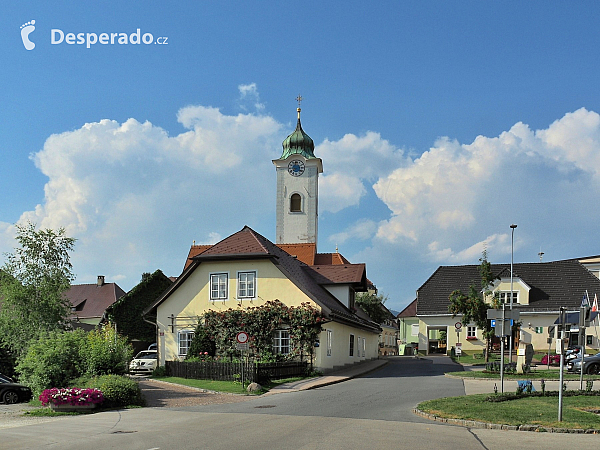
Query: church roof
298, 143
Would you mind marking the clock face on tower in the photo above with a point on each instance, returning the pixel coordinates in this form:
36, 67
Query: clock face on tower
296, 168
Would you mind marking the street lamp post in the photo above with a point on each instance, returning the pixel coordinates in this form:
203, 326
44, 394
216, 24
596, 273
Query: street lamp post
512, 250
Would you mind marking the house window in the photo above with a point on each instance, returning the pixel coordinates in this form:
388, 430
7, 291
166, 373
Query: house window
295, 203
471, 332
505, 297
414, 329
184, 339
281, 342
246, 284
329, 332
351, 299
364, 346
589, 340
351, 345
218, 286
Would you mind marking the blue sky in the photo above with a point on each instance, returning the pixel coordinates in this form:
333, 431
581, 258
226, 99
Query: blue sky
439, 124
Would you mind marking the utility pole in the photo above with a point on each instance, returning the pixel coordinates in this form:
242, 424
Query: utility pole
512, 251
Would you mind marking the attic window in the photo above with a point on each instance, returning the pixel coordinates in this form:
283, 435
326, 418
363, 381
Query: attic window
505, 297
295, 203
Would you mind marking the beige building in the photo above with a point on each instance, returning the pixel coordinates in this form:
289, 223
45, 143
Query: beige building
247, 270
539, 291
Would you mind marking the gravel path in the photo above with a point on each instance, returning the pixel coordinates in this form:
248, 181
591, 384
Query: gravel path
168, 395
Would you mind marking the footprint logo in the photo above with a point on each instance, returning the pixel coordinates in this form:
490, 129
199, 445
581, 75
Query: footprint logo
26, 30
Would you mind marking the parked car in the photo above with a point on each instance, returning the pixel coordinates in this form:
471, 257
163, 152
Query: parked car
144, 362
11, 392
591, 364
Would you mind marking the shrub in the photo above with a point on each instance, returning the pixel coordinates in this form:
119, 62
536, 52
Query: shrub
52, 361
105, 352
118, 391
201, 344
60, 357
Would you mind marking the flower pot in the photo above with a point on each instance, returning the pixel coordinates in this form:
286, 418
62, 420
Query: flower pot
67, 407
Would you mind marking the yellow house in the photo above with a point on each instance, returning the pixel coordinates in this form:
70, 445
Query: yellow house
247, 270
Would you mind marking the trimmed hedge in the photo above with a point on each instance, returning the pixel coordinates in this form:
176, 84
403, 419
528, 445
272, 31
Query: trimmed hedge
118, 391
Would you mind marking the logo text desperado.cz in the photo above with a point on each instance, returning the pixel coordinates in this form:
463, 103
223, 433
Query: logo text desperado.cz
57, 36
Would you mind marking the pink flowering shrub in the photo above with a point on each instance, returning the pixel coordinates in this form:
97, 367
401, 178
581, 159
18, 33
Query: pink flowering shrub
71, 396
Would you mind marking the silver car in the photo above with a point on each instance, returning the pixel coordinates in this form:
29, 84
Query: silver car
591, 364
144, 362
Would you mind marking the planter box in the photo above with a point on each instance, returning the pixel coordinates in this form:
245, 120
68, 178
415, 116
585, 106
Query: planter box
72, 408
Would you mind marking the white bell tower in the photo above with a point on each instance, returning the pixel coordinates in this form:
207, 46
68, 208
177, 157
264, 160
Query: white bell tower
298, 172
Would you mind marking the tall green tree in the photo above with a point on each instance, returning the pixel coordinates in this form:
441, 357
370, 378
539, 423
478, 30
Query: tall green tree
473, 306
33, 281
372, 304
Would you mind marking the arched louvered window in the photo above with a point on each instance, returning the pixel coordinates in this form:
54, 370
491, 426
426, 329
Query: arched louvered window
296, 203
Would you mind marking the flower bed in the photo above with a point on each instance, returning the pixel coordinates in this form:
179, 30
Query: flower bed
72, 397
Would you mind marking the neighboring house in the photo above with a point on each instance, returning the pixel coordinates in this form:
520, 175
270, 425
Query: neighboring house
89, 301
408, 329
388, 340
247, 270
126, 312
539, 290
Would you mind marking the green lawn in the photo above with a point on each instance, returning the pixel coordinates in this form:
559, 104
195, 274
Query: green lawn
542, 411
536, 375
233, 387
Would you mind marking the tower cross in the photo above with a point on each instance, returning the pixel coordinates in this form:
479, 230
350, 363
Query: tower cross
299, 99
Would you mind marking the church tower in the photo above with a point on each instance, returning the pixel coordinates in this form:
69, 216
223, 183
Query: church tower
298, 172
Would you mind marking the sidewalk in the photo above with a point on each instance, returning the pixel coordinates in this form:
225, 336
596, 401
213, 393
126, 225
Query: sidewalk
338, 376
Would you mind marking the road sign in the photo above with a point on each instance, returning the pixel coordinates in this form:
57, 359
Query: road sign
242, 337
458, 326
458, 348
243, 346
513, 314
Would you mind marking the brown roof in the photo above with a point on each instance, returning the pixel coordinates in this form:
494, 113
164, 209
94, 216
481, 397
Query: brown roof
330, 258
410, 310
91, 300
305, 252
346, 274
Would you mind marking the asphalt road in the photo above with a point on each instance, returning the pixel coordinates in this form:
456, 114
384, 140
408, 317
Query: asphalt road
369, 412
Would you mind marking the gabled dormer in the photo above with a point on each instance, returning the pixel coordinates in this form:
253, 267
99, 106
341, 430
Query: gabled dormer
520, 289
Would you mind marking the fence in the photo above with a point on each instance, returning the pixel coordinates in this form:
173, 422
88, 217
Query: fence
224, 371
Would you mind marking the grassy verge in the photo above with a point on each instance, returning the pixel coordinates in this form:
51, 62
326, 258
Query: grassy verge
542, 411
538, 375
233, 387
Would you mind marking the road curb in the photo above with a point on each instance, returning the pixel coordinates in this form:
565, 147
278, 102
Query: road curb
497, 426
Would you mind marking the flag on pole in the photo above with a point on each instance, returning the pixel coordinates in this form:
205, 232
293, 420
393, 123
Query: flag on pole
585, 301
595, 305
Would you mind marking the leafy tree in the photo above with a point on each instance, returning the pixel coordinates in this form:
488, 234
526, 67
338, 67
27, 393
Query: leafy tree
372, 304
472, 306
33, 281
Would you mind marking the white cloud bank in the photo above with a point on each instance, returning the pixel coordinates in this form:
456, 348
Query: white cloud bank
130, 193
135, 197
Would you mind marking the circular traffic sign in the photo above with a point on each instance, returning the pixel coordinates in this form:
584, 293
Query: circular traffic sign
458, 325
242, 337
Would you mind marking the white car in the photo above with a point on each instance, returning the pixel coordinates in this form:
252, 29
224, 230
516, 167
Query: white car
144, 362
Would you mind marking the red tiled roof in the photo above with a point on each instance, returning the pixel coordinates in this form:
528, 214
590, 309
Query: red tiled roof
330, 258
91, 300
303, 252
195, 250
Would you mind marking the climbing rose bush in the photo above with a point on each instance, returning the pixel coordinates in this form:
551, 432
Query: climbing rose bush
71, 396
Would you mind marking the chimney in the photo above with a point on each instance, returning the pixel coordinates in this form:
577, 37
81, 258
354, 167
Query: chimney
100, 280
